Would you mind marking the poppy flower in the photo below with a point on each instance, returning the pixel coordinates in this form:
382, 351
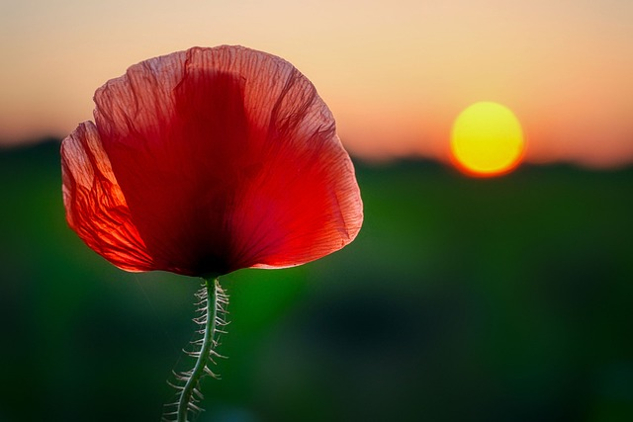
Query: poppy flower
206, 161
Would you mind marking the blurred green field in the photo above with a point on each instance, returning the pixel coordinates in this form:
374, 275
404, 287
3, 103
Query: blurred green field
506, 299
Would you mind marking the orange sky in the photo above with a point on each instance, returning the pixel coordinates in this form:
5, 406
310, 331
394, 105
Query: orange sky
395, 74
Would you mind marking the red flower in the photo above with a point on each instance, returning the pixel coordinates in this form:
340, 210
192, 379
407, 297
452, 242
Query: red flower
207, 161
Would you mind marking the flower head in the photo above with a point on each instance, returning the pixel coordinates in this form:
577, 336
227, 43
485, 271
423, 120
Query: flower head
207, 161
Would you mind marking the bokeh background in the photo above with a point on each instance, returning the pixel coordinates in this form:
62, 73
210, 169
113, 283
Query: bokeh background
462, 299
504, 299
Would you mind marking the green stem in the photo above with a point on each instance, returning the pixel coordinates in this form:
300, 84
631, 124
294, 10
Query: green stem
212, 307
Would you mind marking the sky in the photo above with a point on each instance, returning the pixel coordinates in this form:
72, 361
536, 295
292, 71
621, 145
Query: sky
395, 73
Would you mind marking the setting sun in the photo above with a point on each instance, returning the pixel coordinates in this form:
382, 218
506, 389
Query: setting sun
487, 140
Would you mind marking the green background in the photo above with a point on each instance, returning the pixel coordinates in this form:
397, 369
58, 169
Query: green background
504, 299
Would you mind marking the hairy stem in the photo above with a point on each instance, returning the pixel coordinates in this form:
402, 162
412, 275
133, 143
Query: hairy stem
201, 363
211, 308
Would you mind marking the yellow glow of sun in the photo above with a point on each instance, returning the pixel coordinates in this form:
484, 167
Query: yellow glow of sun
487, 140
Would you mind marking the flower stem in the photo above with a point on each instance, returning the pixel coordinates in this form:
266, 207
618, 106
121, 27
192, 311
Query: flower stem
211, 304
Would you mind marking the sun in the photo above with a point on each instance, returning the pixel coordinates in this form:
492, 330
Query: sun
487, 140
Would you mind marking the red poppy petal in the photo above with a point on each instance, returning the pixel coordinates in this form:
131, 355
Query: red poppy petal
228, 159
173, 131
95, 206
318, 210
301, 200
